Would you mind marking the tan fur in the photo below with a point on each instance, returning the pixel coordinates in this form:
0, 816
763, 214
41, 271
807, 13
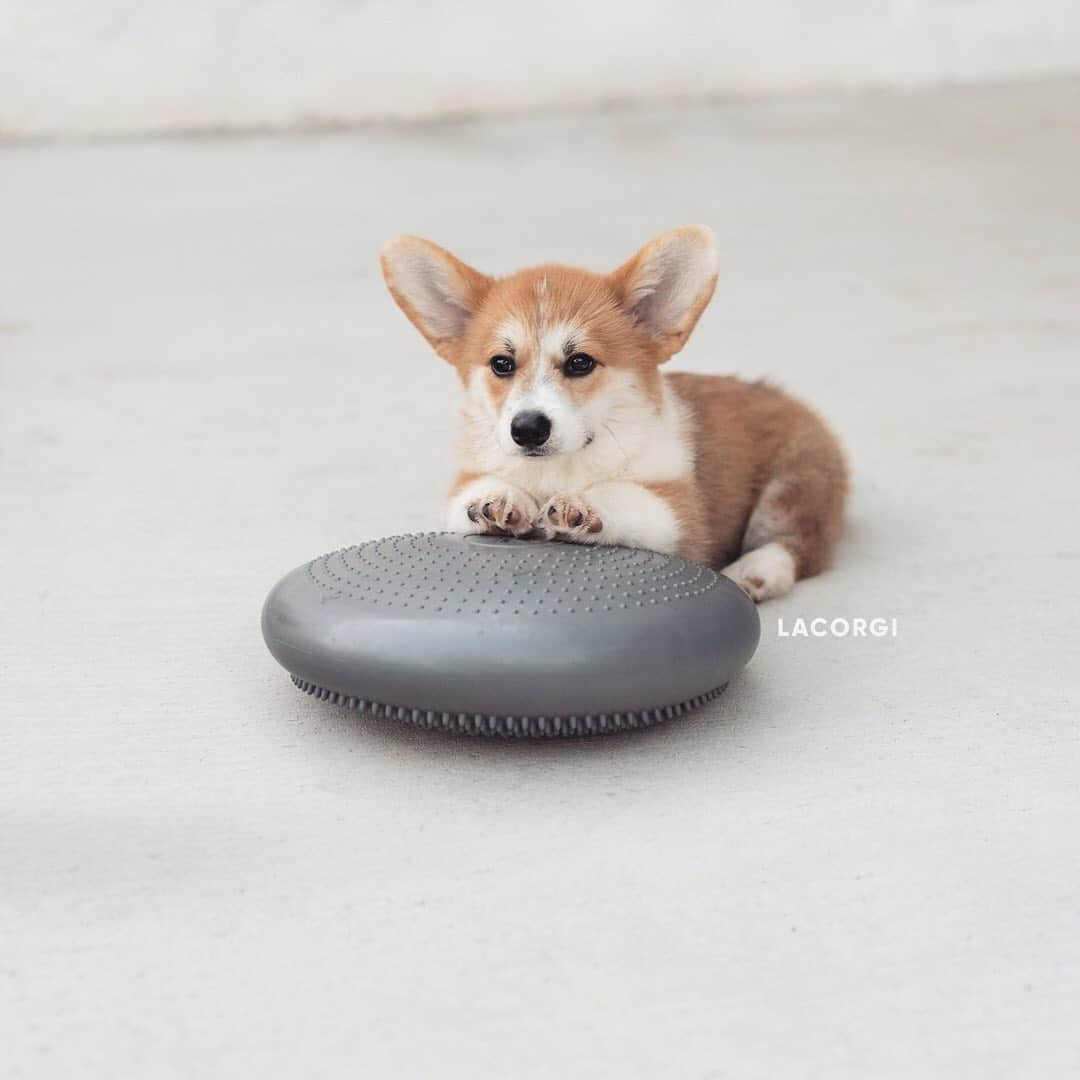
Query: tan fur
709, 466
751, 439
688, 503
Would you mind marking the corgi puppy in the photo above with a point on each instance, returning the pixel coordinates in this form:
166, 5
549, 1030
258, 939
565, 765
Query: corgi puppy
572, 432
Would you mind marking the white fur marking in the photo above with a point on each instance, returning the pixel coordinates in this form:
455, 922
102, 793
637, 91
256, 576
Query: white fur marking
765, 572
632, 440
634, 516
513, 331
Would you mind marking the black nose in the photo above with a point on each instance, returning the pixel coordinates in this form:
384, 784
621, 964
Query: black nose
530, 429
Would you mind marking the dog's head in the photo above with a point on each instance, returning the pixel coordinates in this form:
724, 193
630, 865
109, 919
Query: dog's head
554, 358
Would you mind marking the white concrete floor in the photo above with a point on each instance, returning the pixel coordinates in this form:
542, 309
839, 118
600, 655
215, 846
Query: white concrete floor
862, 861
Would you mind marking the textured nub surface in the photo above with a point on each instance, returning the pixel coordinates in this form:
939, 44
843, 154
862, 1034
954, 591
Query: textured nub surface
439, 574
504, 636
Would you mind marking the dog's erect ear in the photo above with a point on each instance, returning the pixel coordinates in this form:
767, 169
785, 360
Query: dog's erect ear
667, 284
438, 292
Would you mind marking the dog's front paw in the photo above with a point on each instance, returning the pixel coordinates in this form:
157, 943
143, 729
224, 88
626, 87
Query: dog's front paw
503, 513
569, 517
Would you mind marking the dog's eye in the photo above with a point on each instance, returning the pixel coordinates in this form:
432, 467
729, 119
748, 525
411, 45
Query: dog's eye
503, 366
579, 364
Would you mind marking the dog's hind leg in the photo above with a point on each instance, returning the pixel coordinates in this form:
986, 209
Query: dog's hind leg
796, 521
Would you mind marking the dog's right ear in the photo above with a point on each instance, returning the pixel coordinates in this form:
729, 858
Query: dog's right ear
437, 292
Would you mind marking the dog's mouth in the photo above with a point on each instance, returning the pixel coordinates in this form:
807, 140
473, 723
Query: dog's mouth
551, 451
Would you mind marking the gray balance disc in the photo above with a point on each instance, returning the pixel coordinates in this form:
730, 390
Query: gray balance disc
495, 636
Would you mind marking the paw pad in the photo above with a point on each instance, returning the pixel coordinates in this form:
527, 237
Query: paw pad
567, 517
502, 515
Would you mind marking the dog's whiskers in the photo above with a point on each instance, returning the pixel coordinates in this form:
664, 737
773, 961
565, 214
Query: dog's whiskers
615, 439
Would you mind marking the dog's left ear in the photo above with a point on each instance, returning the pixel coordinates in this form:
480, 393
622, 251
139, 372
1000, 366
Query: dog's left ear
667, 284
438, 292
